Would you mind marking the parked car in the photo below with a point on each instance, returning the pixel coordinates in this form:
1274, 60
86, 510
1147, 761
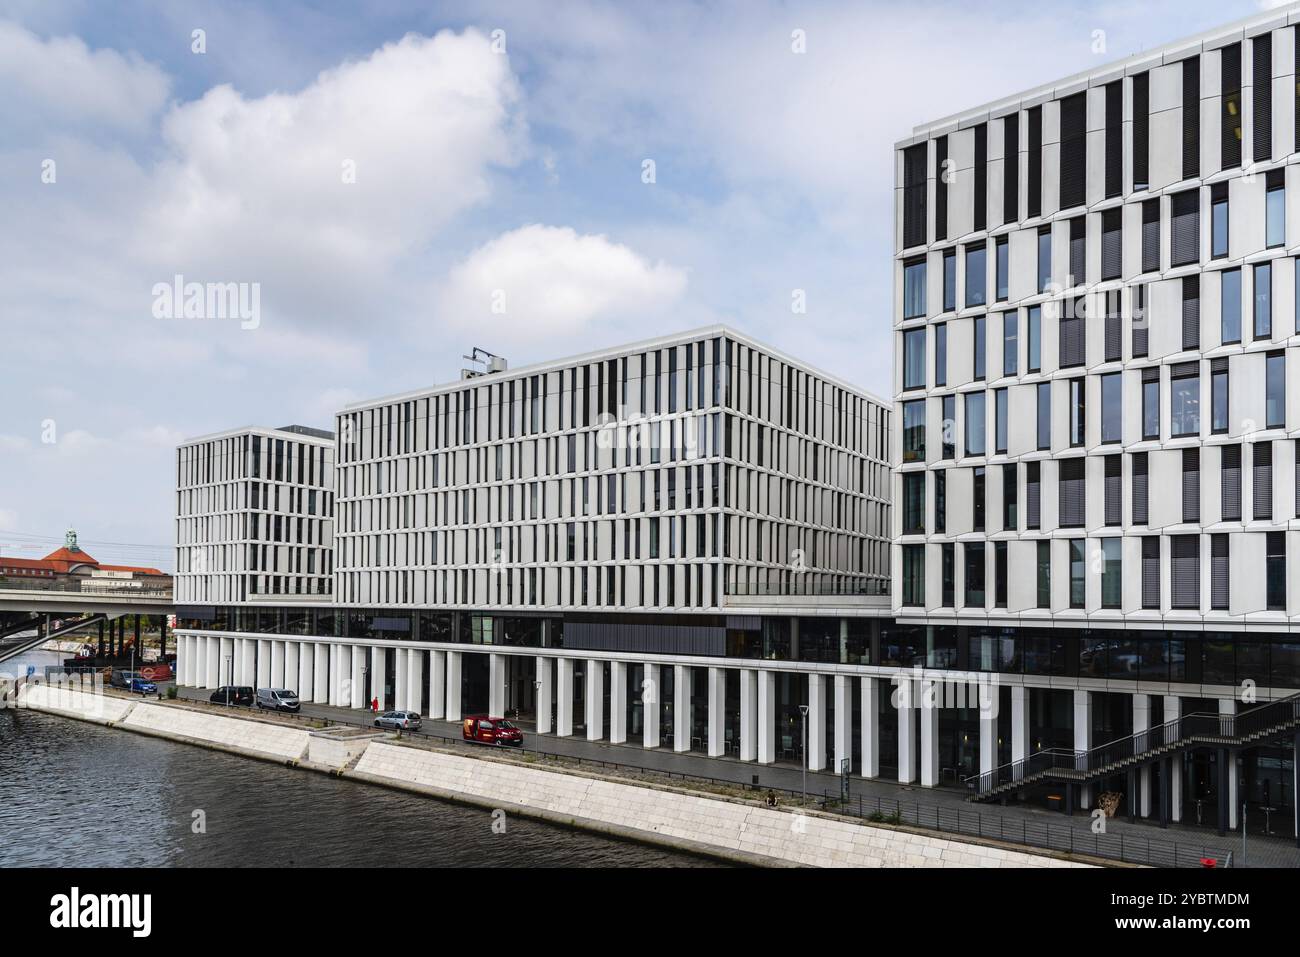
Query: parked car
143, 685
120, 678
232, 694
277, 699
131, 681
398, 720
494, 731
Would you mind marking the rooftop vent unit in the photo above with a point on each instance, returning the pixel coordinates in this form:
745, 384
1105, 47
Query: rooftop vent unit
491, 363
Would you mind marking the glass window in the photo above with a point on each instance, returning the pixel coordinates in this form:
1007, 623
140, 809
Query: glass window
914, 289
975, 423
914, 359
1010, 498
1010, 324
949, 280
1263, 301
949, 570
1078, 564
976, 276
1185, 402
1044, 574
1219, 227
1035, 342
1000, 420
1275, 390
949, 426
941, 354
979, 347
1044, 258
978, 499
1151, 406
1275, 570
1230, 306
1003, 268
1219, 397
974, 574
1078, 413
913, 574
1275, 216
1112, 572
940, 501
1112, 417
914, 431
913, 503
1044, 415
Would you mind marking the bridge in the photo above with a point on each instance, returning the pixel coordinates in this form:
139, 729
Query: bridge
32, 613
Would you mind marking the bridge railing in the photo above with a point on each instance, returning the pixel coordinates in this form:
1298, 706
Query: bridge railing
91, 587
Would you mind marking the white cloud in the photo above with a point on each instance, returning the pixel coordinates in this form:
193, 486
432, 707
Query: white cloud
62, 79
553, 282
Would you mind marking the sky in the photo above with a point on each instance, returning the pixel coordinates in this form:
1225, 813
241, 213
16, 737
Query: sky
390, 184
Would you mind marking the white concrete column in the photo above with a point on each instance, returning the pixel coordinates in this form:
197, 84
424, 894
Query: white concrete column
379, 677
1083, 737
907, 693
291, 665
594, 700
1173, 710
277, 664
717, 711
1229, 706
200, 662
988, 718
263, 663
399, 681
816, 722
496, 685
214, 664
1142, 722
928, 712
357, 680
618, 702
1020, 731
414, 679
766, 717
226, 663
843, 723
681, 708
564, 697
437, 685
320, 684
748, 714
545, 691
452, 701
332, 680
185, 660
651, 702
248, 661
306, 670
870, 726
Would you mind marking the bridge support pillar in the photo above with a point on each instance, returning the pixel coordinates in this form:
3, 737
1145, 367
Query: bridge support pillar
162, 636
101, 637
1166, 773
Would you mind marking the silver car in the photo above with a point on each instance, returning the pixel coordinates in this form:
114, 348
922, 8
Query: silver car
277, 699
398, 720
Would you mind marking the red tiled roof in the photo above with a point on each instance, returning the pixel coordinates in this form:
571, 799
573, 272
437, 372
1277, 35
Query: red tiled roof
63, 561
131, 568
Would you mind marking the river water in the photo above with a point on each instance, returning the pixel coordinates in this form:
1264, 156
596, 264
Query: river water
79, 795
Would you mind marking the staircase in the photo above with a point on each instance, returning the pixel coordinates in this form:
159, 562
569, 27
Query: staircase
14, 640
1257, 725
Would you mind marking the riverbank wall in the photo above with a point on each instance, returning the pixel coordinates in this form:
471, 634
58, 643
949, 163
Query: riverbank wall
728, 828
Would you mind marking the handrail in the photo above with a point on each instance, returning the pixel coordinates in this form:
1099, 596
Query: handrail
1231, 727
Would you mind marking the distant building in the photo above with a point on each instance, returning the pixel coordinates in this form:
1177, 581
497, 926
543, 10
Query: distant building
71, 564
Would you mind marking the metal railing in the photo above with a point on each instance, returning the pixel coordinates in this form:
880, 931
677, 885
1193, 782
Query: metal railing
83, 586
870, 588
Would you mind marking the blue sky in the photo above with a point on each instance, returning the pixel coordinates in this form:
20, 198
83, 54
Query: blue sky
498, 150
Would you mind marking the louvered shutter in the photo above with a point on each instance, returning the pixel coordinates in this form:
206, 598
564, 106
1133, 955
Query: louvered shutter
1071, 493
1114, 138
1011, 168
1230, 481
1074, 150
1185, 228
1114, 327
1141, 126
1185, 571
1114, 490
1231, 106
981, 176
1191, 312
1073, 343
1192, 118
1192, 485
1219, 573
1034, 184
1151, 571
914, 158
1138, 308
1033, 497
1262, 114
1112, 232
1262, 479
1151, 235
1140, 488
940, 189
1078, 251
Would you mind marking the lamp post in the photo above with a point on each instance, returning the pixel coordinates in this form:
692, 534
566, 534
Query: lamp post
803, 733
230, 676
365, 675
537, 693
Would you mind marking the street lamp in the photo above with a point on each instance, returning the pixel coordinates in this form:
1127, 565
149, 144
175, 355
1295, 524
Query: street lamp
230, 676
803, 725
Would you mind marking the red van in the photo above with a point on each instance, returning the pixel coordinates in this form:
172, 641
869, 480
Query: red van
497, 731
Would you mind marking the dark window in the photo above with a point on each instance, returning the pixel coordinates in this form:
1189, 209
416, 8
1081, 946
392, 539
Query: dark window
1112, 259
1112, 407
1078, 566
1219, 572
941, 188
941, 501
1034, 338
1078, 251
1073, 336
949, 427
1230, 306
913, 503
1261, 475
1011, 168
1151, 235
1191, 313
1074, 149
949, 570
1000, 421
1044, 574
1000, 574
978, 499
1192, 118
1230, 99
1263, 316
1141, 131
976, 276
1010, 499
1185, 242
1078, 412
1275, 208
914, 288
1114, 338
1219, 395
1010, 342
941, 354
914, 358
1275, 561
1192, 486
1034, 165
1114, 490
1002, 268
1151, 571
1033, 495
974, 552
914, 575
1071, 492
1044, 258
1262, 115
1044, 415
914, 186
1230, 482
981, 176
914, 431
949, 280
1185, 557
980, 351
1138, 307
1185, 399
1139, 488
1275, 390
1151, 402
1112, 572
1219, 221
975, 423
1114, 138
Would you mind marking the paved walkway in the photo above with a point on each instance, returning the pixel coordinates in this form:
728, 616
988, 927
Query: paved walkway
944, 809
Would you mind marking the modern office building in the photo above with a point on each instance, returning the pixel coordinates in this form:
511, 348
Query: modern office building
679, 541
1096, 320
